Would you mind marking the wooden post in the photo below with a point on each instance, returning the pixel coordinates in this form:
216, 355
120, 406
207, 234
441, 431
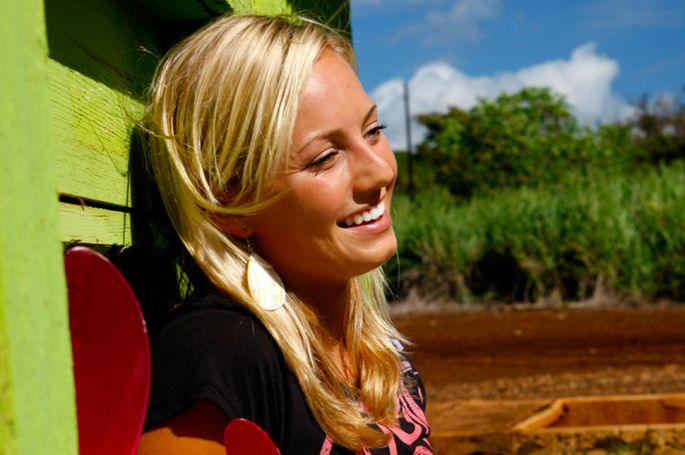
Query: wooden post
37, 407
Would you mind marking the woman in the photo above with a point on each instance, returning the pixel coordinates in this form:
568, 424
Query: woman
278, 180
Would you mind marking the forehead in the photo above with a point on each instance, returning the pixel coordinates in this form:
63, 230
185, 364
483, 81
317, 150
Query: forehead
331, 76
333, 99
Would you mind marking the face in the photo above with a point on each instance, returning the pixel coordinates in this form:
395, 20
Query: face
333, 222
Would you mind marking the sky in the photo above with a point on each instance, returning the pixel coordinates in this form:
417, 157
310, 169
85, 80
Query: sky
601, 55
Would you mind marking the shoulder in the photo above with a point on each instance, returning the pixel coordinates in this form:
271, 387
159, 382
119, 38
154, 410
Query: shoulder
212, 349
215, 322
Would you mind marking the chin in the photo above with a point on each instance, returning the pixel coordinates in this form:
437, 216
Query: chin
381, 258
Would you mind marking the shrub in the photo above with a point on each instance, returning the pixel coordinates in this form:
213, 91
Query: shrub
526, 139
660, 130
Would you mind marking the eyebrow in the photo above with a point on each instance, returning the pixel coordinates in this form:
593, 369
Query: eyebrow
369, 114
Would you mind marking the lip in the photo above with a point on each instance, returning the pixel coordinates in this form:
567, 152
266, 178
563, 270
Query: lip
381, 224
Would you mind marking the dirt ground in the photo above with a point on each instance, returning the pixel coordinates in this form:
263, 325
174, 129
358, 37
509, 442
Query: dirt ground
522, 357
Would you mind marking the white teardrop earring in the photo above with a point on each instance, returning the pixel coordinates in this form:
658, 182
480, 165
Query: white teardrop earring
263, 282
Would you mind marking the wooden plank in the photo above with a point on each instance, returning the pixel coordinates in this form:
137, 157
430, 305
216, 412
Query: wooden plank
37, 410
102, 55
91, 130
82, 224
115, 42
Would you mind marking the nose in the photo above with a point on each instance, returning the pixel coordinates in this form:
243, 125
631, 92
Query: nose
373, 168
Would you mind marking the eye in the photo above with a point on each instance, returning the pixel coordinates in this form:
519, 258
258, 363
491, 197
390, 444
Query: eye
323, 161
375, 131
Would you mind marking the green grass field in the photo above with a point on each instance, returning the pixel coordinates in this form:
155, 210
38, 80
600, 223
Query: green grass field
624, 232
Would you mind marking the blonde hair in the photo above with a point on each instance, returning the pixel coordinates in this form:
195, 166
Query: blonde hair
222, 111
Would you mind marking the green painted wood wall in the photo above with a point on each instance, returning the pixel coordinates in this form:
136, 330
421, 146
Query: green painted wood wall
70, 94
36, 387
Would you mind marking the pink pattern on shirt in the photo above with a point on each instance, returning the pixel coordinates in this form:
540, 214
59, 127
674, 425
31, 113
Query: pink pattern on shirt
412, 414
327, 446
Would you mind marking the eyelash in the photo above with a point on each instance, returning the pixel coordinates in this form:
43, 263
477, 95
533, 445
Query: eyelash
376, 130
321, 162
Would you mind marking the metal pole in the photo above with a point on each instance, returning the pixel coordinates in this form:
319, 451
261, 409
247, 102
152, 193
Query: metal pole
410, 154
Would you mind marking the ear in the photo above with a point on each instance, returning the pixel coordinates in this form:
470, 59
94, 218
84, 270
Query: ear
233, 225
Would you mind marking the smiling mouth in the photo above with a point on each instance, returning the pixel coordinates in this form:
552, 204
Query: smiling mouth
365, 217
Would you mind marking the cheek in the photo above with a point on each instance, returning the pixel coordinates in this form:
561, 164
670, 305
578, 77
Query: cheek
323, 198
298, 216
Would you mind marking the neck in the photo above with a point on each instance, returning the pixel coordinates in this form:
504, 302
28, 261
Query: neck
330, 301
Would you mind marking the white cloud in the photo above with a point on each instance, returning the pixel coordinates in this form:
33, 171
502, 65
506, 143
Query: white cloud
584, 79
461, 22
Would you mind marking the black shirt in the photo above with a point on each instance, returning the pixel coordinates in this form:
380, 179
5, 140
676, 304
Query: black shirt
213, 349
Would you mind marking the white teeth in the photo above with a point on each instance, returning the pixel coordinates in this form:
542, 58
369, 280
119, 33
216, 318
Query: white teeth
365, 217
